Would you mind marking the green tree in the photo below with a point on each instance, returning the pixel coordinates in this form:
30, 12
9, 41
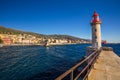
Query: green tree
1, 41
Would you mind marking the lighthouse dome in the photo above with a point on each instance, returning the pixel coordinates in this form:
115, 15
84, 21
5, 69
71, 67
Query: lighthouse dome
95, 14
96, 18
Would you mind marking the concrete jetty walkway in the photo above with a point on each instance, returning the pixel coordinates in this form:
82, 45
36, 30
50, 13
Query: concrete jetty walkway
107, 67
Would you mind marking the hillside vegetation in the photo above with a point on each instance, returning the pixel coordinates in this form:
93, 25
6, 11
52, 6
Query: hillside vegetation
4, 30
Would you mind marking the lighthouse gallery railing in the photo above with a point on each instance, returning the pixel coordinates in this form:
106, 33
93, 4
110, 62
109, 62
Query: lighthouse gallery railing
81, 69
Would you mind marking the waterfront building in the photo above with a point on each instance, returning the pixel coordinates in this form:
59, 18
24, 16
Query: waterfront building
7, 41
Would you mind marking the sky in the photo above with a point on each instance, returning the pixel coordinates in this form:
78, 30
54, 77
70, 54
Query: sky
70, 17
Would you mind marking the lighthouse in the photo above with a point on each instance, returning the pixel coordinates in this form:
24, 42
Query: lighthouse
96, 30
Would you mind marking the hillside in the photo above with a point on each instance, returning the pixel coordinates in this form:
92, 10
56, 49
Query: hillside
4, 30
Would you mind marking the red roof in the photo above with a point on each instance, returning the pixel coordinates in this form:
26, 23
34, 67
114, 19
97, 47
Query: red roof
95, 14
95, 18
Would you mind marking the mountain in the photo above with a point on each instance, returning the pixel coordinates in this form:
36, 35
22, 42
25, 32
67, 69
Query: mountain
4, 30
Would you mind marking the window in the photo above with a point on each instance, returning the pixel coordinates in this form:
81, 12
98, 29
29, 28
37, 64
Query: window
95, 37
95, 30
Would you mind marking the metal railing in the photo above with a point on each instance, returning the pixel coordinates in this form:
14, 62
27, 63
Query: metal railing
80, 70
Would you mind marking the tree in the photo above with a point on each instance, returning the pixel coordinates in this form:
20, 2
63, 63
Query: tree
1, 41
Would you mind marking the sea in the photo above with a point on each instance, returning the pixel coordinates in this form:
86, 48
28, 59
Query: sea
39, 62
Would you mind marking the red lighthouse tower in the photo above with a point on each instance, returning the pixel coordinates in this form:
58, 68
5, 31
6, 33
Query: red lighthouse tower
96, 31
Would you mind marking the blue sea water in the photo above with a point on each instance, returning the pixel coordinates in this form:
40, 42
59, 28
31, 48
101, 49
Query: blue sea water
39, 62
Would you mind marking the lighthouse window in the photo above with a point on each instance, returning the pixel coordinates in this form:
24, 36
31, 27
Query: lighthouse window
95, 30
95, 37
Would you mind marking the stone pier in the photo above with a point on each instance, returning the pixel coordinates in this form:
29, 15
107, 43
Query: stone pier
107, 66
